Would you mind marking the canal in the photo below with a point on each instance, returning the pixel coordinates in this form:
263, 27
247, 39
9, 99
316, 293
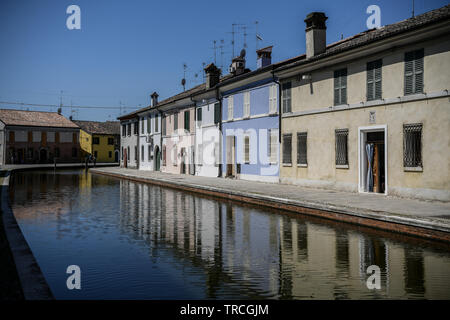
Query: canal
139, 241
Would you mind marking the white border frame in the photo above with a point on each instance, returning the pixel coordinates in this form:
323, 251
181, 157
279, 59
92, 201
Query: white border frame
361, 131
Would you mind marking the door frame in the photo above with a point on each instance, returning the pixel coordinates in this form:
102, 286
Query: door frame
362, 131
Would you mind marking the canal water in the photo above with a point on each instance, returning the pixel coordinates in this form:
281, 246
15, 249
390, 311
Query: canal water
140, 241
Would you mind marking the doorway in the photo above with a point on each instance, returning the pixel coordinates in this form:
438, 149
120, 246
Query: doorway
231, 158
43, 155
373, 159
157, 158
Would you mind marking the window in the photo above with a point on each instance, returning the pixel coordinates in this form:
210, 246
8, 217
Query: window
128, 154
374, 80
31, 152
175, 121
111, 141
142, 153
216, 153
136, 127
149, 153
74, 152
412, 145
156, 123
199, 117
286, 90
287, 149
142, 125
230, 107
109, 154
246, 104
301, 148
247, 149
124, 130
30, 136
340, 87
273, 145
95, 140
341, 147
149, 124
163, 124
122, 153
129, 129
95, 154
217, 113
135, 153
273, 99
44, 136
187, 120
414, 72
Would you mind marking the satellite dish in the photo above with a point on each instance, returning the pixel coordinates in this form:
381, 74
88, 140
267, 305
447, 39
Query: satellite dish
242, 55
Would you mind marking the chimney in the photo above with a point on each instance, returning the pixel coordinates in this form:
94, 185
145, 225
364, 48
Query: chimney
59, 110
212, 75
238, 64
70, 118
264, 57
154, 97
316, 34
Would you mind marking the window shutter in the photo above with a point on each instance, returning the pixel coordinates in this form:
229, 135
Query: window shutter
418, 71
343, 86
377, 79
336, 88
409, 75
370, 81
216, 113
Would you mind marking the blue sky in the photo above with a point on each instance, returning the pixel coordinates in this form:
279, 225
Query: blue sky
125, 50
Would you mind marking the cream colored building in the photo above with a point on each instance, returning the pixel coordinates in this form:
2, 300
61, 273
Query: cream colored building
387, 88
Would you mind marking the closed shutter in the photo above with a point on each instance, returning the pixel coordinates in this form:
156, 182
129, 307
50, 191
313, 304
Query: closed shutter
418, 71
374, 80
287, 148
340, 87
409, 73
199, 116
149, 126
414, 71
216, 113
186, 120
286, 97
337, 97
230, 108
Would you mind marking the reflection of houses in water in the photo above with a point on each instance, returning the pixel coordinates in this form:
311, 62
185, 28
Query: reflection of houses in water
274, 255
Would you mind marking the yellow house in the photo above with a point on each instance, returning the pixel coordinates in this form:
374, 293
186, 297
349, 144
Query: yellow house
99, 139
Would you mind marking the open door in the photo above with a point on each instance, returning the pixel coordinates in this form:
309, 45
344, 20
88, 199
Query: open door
231, 158
373, 161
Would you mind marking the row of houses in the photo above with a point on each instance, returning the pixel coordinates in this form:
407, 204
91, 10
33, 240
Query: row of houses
32, 137
369, 113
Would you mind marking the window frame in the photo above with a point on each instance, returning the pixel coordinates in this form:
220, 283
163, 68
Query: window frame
302, 137
415, 164
338, 134
340, 85
287, 97
287, 136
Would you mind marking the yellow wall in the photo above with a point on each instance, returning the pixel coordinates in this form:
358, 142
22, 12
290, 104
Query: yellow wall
433, 182
103, 148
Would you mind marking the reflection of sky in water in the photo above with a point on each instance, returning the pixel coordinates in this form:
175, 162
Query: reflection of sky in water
137, 241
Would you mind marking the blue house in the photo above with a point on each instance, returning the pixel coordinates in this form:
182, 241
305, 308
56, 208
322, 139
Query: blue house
250, 121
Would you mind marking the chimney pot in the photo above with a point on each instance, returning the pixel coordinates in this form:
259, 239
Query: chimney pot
264, 57
154, 97
212, 75
315, 34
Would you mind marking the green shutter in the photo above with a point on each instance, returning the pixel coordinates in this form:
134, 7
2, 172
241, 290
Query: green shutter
377, 77
370, 81
409, 72
216, 113
418, 71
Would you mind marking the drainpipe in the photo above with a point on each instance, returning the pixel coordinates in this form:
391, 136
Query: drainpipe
195, 131
160, 138
219, 98
279, 105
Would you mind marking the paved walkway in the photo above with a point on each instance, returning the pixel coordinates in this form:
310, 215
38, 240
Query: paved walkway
433, 215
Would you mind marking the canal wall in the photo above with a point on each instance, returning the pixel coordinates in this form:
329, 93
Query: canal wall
32, 281
425, 219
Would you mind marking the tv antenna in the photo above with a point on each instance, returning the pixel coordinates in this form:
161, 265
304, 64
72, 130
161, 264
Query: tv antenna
221, 53
257, 35
183, 81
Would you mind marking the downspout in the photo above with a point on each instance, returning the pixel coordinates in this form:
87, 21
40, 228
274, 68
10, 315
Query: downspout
279, 105
219, 98
195, 132
160, 137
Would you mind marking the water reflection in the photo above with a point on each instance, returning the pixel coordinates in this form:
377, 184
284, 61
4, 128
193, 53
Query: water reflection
142, 241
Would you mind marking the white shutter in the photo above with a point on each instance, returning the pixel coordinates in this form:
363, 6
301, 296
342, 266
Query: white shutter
230, 107
247, 104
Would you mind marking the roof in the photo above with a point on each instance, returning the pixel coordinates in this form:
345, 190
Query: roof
360, 39
97, 127
13, 117
372, 35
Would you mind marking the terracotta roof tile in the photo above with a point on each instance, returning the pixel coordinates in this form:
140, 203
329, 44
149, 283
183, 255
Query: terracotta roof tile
15, 117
